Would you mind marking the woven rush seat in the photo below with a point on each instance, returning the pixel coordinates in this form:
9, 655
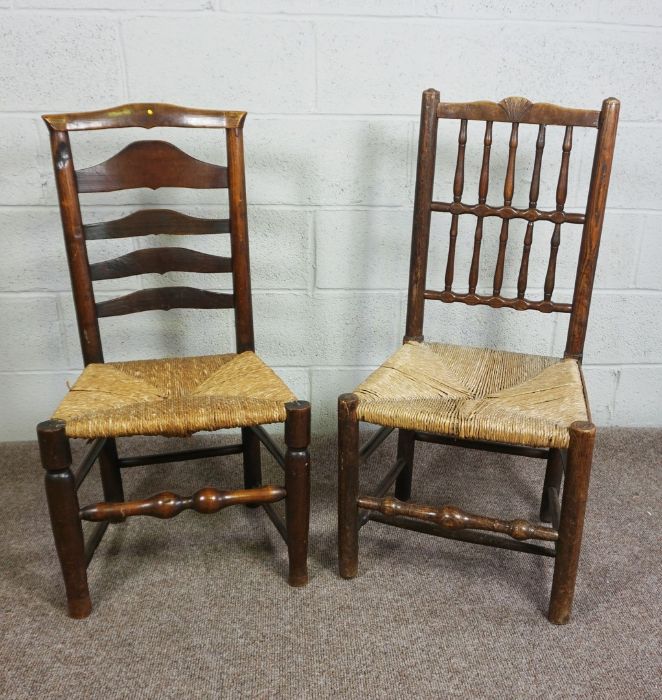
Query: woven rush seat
173, 396
475, 394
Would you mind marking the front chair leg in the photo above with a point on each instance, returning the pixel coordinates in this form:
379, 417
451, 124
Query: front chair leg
573, 508
297, 487
348, 485
406, 444
64, 511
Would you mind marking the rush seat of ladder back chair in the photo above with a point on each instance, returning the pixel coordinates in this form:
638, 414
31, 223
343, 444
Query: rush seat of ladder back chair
482, 398
164, 397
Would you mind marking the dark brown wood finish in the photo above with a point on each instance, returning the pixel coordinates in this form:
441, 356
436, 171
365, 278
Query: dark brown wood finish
151, 222
420, 240
470, 536
458, 187
483, 210
595, 213
406, 445
354, 509
553, 481
500, 302
561, 194
508, 191
74, 239
241, 269
457, 519
167, 504
571, 526
533, 201
151, 164
163, 299
63, 508
157, 164
160, 261
375, 440
145, 116
520, 110
297, 484
111, 475
348, 485
182, 455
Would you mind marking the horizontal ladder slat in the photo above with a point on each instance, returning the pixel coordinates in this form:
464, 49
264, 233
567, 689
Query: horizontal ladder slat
507, 212
154, 222
151, 164
163, 299
159, 261
519, 110
498, 302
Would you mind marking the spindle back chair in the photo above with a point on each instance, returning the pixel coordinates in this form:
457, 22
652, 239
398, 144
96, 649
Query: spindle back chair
477, 398
170, 397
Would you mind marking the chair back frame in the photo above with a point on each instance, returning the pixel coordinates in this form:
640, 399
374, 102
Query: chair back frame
152, 164
513, 110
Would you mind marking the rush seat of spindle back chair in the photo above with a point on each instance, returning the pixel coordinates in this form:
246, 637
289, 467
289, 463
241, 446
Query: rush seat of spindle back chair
175, 396
480, 398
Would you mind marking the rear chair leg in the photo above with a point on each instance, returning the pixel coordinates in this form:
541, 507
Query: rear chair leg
553, 478
573, 508
252, 461
348, 485
63, 507
297, 486
406, 444
111, 476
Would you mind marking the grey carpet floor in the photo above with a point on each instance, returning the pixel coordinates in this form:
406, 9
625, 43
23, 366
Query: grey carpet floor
198, 606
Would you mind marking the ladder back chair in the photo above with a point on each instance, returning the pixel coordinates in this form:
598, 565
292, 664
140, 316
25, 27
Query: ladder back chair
173, 396
481, 398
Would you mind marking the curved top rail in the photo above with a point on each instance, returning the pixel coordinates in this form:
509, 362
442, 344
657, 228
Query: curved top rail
520, 110
146, 116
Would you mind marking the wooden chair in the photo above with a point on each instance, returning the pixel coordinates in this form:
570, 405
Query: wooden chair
478, 398
170, 397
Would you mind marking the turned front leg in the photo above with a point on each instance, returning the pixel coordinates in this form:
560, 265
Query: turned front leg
297, 486
65, 521
573, 508
348, 485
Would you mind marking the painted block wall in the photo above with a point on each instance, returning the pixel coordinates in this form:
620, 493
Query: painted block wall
333, 93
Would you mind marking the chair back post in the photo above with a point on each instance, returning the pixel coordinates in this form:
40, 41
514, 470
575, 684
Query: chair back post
241, 277
427, 151
595, 211
74, 238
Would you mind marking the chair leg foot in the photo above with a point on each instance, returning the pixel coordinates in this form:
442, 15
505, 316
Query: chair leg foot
406, 444
64, 508
297, 486
553, 479
573, 509
348, 486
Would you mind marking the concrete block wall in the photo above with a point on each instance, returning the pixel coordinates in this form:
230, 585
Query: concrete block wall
333, 91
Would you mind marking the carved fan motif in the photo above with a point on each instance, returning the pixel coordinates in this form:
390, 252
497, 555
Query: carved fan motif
515, 107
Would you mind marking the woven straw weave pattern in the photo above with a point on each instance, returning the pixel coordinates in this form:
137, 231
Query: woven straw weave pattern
475, 394
174, 396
